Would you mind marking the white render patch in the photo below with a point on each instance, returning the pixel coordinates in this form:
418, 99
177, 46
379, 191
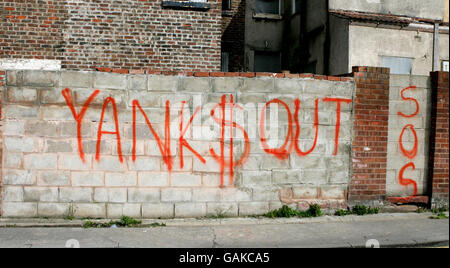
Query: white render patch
30, 64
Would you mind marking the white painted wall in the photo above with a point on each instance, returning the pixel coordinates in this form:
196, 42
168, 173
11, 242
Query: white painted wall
30, 64
368, 44
430, 9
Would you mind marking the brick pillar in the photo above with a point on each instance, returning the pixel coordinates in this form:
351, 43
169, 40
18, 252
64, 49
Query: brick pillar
439, 140
370, 135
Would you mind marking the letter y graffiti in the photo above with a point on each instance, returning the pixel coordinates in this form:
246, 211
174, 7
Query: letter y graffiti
79, 117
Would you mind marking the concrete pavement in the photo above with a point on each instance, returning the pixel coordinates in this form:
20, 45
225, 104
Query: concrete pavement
388, 230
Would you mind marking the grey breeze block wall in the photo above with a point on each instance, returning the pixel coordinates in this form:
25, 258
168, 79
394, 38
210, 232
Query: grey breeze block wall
416, 135
43, 174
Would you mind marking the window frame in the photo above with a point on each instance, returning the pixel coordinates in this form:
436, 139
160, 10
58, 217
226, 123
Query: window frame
411, 61
257, 53
201, 5
445, 66
229, 5
224, 61
294, 6
270, 14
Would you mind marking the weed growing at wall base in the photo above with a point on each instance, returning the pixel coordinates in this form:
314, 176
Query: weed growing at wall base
157, 224
363, 210
439, 210
313, 211
287, 212
283, 212
359, 210
125, 221
343, 212
439, 213
440, 216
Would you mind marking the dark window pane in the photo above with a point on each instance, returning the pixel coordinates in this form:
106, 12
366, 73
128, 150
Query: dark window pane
225, 61
267, 6
311, 67
226, 4
297, 4
267, 62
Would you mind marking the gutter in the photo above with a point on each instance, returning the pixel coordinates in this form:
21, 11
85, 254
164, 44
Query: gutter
427, 27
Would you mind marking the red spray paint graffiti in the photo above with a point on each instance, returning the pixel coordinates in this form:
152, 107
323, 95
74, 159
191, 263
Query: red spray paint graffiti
231, 164
316, 126
101, 132
79, 117
283, 151
220, 115
409, 99
410, 154
413, 152
182, 141
164, 148
406, 182
338, 119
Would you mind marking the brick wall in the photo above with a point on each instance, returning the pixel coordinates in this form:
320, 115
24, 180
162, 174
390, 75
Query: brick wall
439, 139
370, 134
32, 29
45, 175
85, 35
233, 35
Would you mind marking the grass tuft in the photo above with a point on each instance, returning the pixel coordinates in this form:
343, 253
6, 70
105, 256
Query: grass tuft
287, 212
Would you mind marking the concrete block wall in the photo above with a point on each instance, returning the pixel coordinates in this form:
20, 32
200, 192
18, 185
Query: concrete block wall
413, 120
45, 143
2, 83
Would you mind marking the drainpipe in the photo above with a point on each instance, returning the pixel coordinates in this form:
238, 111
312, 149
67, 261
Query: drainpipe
327, 45
304, 42
436, 47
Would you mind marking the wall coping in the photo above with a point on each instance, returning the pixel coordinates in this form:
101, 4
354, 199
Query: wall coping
345, 78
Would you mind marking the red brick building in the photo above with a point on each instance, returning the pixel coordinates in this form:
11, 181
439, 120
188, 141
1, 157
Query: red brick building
131, 34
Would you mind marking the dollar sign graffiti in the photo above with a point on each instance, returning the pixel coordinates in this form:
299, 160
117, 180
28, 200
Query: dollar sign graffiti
224, 124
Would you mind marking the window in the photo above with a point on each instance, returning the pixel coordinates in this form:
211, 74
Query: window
311, 67
267, 6
267, 62
296, 4
224, 61
226, 4
201, 5
398, 65
444, 66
